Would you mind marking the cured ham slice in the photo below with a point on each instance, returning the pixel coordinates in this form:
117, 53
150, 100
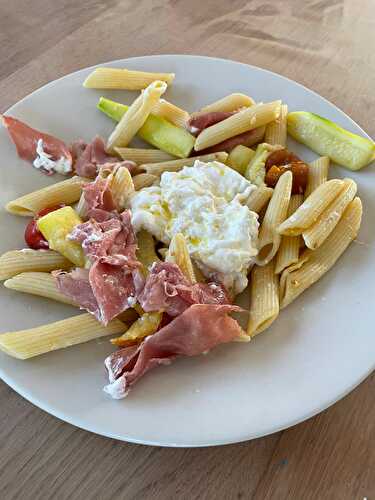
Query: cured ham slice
88, 158
167, 289
26, 138
197, 330
196, 124
110, 246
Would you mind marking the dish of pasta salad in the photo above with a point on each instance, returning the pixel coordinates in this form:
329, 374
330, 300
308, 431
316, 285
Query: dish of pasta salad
157, 230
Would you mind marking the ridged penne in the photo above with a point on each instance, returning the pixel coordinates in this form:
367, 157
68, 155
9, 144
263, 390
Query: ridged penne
135, 116
276, 131
38, 283
140, 156
311, 209
269, 238
146, 253
231, 102
322, 228
66, 192
288, 252
26, 344
19, 261
264, 301
248, 119
179, 254
141, 181
126, 79
176, 165
259, 198
318, 174
145, 325
122, 187
171, 112
313, 264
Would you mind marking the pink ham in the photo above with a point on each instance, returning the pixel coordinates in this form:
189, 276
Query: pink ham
246, 139
196, 124
99, 203
167, 289
26, 138
88, 157
111, 247
197, 330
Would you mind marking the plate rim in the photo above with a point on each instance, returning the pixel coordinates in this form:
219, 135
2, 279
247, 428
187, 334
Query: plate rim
246, 436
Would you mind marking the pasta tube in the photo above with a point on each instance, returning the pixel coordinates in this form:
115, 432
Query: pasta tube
140, 156
269, 238
229, 103
288, 253
141, 181
316, 234
240, 122
26, 344
276, 131
135, 116
176, 165
171, 112
312, 265
19, 261
179, 254
126, 79
67, 192
259, 198
146, 253
311, 208
122, 187
264, 305
318, 174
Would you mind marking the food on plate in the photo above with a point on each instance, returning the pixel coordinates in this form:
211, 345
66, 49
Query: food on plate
156, 244
327, 138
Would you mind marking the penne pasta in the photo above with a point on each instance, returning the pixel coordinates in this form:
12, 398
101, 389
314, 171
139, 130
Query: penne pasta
248, 119
19, 261
316, 234
140, 156
126, 79
26, 344
229, 103
171, 112
310, 210
264, 301
146, 253
66, 192
269, 238
276, 131
141, 181
313, 264
38, 283
145, 325
288, 252
135, 116
176, 165
318, 174
179, 254
259, 198
122, 187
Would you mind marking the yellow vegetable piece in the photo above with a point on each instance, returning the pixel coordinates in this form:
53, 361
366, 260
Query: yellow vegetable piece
55, 227
146, 325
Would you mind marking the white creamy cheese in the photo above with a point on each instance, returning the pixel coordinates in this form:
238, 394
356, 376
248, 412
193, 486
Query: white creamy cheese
207, 204
43, 160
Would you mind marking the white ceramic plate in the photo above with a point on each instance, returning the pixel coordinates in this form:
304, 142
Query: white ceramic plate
319, 349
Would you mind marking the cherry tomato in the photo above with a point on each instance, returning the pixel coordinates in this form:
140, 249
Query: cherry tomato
33, 237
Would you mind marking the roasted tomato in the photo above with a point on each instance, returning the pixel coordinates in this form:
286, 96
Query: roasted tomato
33, 237
281, 161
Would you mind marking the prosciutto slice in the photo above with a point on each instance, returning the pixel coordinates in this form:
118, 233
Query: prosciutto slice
26, 138
98, 200
108, 285
167, 289
88, 158
197, 330
245, 139
196, 124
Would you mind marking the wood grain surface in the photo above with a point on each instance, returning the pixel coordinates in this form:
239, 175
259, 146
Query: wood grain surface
327, 45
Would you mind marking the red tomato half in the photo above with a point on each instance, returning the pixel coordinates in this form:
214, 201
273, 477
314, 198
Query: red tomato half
33, 237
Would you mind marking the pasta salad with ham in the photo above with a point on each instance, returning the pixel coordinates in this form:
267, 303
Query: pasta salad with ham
155, 244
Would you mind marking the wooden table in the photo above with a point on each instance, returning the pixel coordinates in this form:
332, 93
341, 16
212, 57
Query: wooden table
327, 45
